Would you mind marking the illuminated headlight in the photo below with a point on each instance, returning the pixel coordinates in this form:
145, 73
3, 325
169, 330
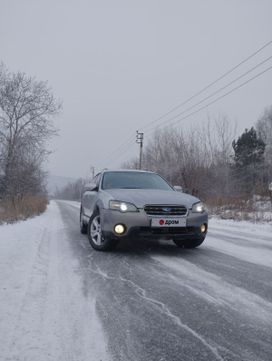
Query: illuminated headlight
122, 206
198, 208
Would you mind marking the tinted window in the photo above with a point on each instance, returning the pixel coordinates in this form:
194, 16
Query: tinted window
133, 180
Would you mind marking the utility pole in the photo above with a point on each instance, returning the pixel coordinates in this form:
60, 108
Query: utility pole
139, 140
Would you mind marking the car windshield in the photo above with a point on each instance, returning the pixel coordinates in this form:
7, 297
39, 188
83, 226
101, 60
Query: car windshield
134, 180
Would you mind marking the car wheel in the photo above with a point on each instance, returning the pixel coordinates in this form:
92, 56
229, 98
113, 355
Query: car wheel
95, 234
83, 226
188, 243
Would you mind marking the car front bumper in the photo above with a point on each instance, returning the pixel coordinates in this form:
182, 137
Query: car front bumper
138, 224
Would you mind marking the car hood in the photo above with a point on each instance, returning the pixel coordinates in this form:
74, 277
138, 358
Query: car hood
142, 197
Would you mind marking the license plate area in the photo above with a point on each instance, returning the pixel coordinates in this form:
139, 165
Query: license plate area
168, 222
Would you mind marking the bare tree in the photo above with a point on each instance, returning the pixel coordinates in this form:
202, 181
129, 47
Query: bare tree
195, 158
177, 156
216, 137
27, 108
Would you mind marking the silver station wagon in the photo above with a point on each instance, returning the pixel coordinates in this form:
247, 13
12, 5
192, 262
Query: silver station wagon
139, 204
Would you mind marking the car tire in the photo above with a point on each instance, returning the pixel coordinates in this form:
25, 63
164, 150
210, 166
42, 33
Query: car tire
188, 243
96, 237
83, 226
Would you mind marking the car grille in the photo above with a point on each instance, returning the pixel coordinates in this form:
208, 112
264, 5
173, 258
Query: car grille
167, 230
165, 210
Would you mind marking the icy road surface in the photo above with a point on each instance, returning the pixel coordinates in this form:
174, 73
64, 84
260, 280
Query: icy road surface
60, 300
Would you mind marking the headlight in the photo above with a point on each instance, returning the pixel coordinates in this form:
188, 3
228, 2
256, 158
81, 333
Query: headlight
198, 207
122, 206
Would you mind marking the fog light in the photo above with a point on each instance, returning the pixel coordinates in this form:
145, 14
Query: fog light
119, 229
203, 228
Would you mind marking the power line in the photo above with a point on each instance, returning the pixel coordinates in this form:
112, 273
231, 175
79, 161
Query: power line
127, 143
123, 146
217, 91
218, 98
122, 157
213, 82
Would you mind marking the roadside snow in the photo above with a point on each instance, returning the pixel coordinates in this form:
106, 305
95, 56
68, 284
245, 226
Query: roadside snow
244, 226
75, 204
247, 241
44, 313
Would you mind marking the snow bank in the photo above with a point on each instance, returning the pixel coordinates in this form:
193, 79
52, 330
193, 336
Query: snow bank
44, 312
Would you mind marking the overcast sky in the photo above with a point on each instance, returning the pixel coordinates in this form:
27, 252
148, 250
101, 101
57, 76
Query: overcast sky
119, 65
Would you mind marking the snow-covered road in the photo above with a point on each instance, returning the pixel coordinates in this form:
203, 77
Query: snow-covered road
60, 300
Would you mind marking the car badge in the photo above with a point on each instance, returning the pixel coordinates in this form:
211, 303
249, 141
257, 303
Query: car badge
166, 210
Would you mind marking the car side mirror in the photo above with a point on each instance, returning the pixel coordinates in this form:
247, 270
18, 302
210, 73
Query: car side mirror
178, 188
90, 187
